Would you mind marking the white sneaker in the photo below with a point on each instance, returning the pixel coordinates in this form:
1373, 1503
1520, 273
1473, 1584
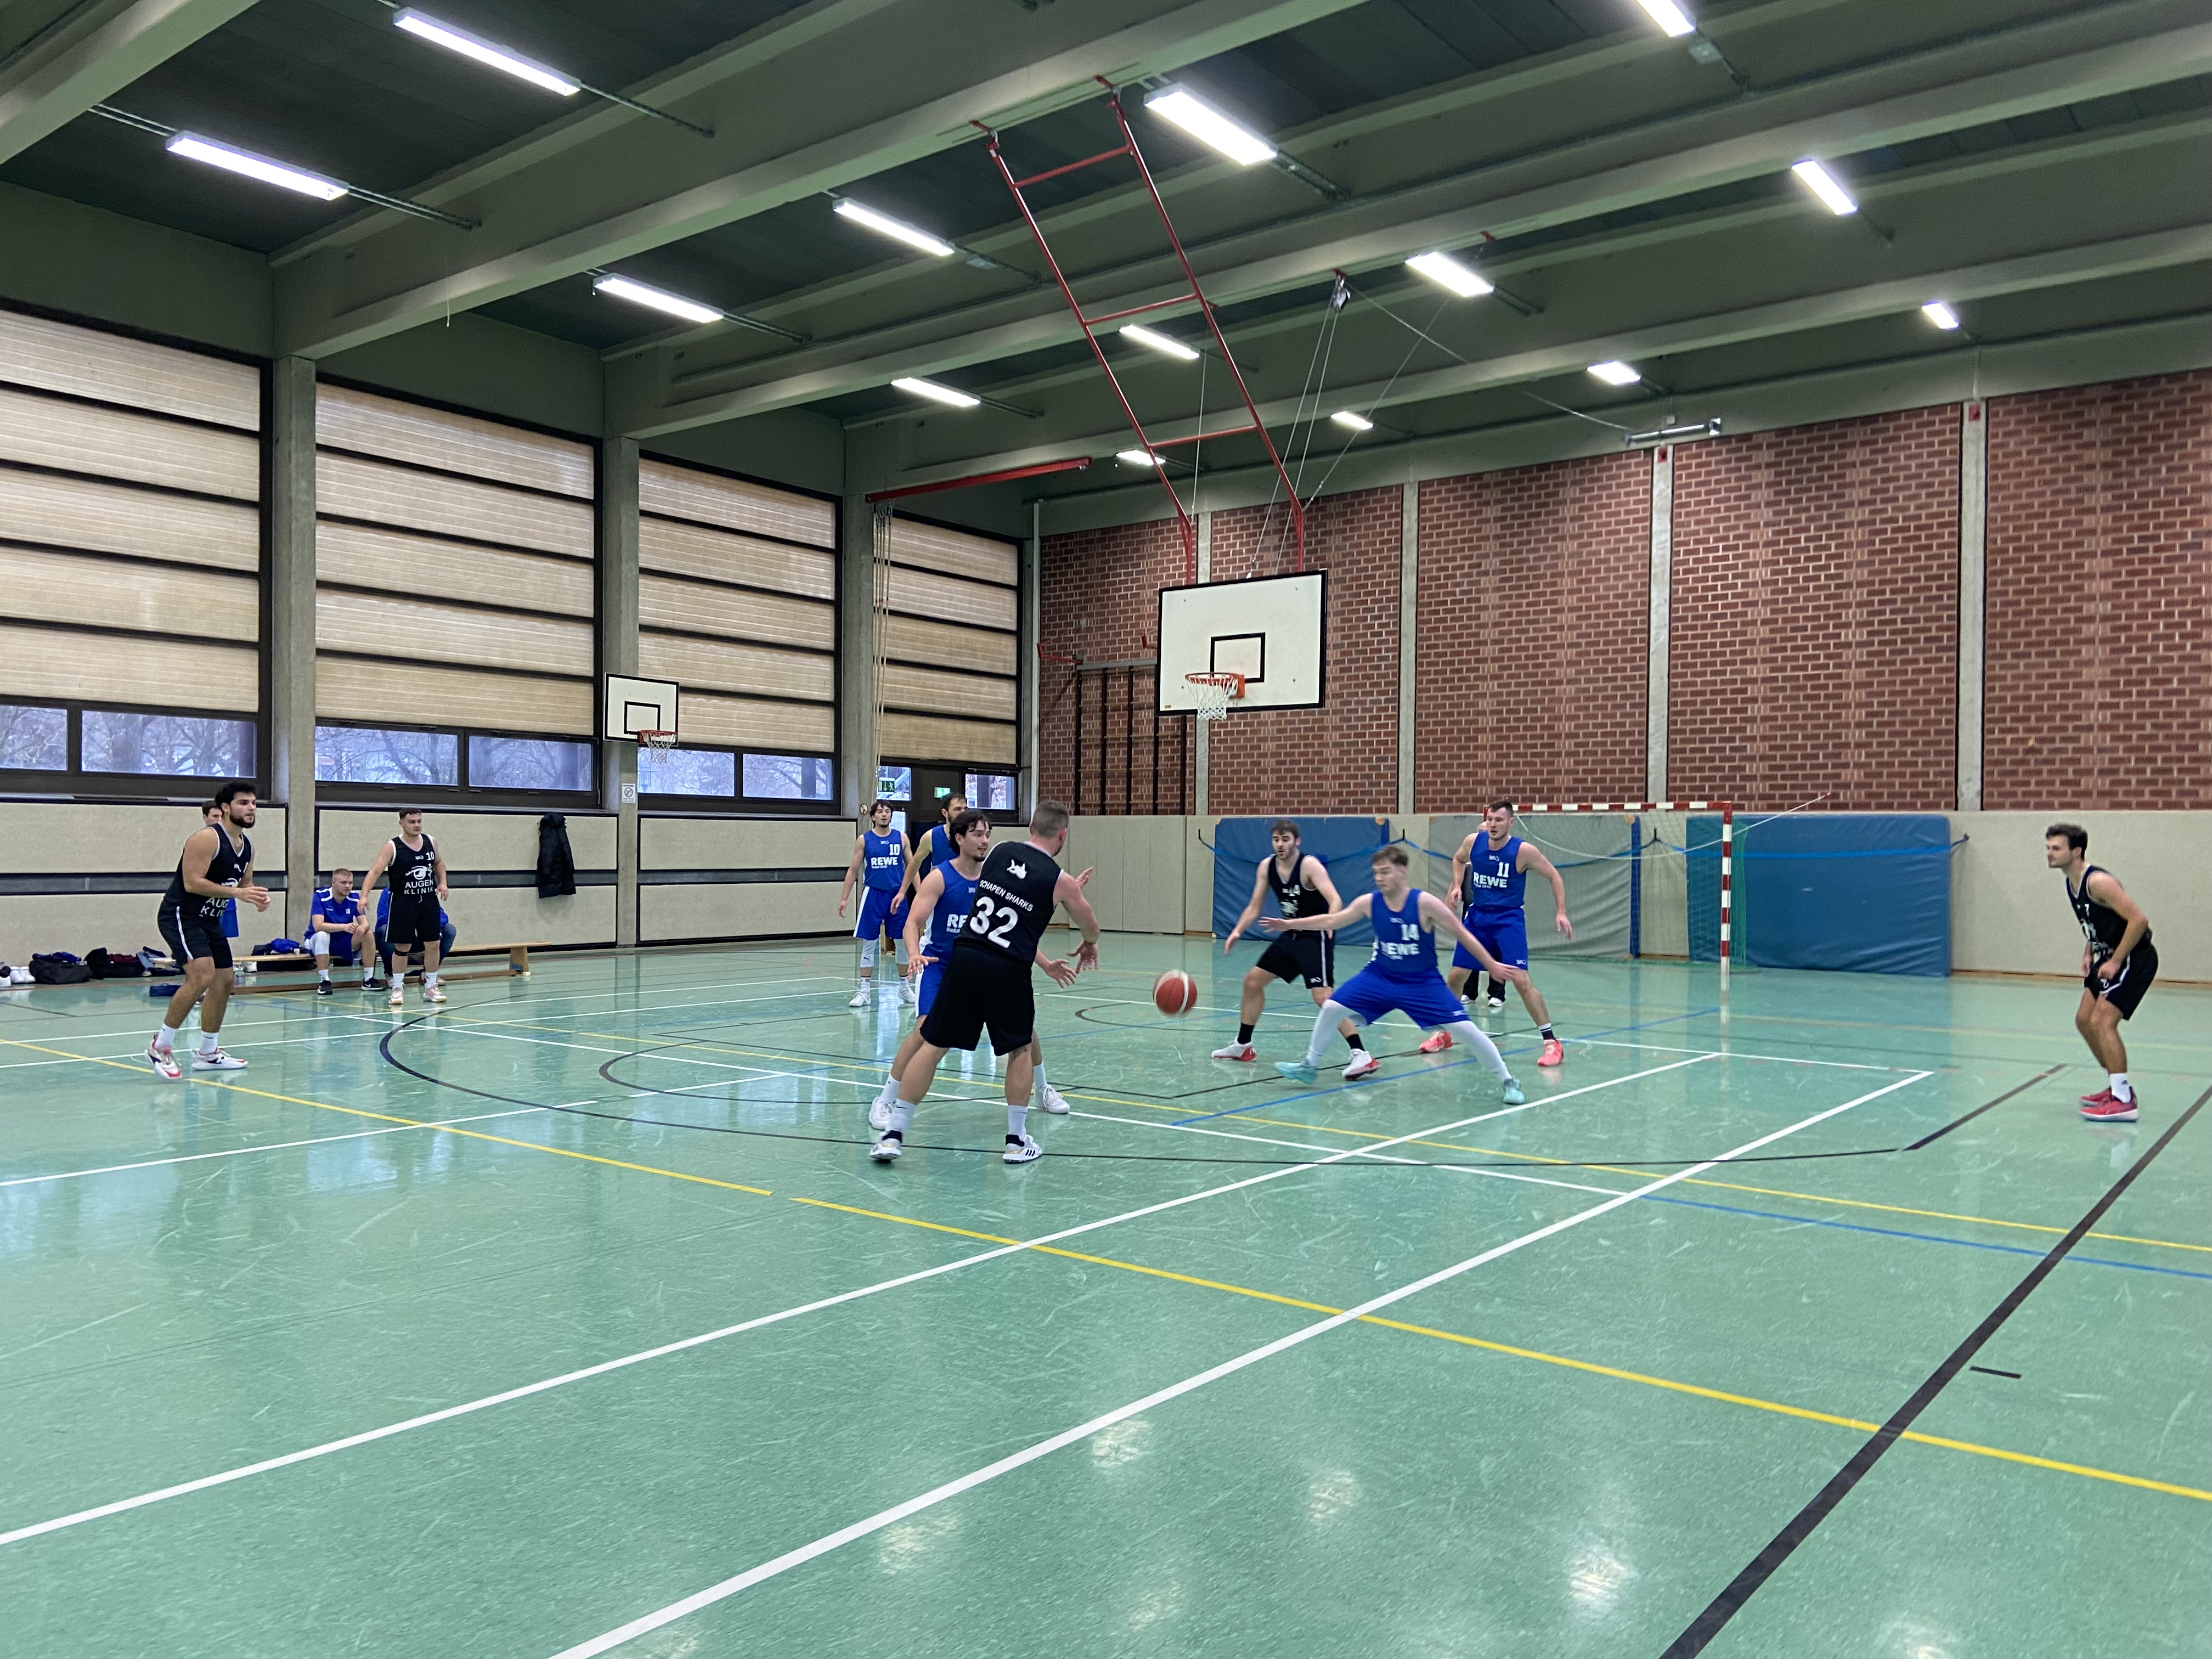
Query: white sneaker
434, 994
887, 1150
164, 1062
1025, 1151
862, 997
1363, 1064
214, 1060
398, 997
879, 1116
1497, 1005
1236, 1051
910, 992
1049, 1100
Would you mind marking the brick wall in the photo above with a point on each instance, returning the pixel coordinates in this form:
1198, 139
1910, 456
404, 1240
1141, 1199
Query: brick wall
1815, 616
2099, 666
1532, 633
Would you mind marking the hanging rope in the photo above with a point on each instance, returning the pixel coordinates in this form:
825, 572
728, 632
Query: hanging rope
879, 652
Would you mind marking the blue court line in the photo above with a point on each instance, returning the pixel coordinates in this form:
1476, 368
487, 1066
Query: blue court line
1395, 1076
1925, 1238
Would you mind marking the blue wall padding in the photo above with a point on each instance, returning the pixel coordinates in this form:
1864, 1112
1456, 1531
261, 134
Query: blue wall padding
1862, 892
1345, 845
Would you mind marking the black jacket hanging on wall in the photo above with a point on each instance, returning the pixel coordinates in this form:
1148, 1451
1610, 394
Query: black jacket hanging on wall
556, 865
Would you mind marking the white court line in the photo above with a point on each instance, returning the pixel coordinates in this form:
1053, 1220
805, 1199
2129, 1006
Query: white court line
1741, 1053
228, 1026
140, 1053
277, 1145
898, 1512
184, 1488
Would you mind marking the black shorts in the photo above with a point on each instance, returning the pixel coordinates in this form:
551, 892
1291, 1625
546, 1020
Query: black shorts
414, 920
189, 934
982, 988
1307, 955
2126, 988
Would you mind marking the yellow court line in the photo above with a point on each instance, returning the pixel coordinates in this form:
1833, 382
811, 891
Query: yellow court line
1750, 1402
1693, 1181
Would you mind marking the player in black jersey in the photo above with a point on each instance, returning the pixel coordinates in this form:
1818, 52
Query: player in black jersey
987, 980
2118, 965
416, 869
1301, 885
217, 867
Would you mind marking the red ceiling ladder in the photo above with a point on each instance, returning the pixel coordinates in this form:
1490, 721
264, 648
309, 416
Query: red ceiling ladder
1090, 325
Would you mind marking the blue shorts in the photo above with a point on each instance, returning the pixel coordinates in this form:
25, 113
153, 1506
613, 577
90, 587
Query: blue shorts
932, 977
1504, 933
878, 916
1427, 1001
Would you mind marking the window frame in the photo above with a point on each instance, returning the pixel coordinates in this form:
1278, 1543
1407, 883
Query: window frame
75, 782
461, 793
739, 803
928, 774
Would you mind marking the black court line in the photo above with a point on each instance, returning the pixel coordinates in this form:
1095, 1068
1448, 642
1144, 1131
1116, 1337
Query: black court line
1763, 1566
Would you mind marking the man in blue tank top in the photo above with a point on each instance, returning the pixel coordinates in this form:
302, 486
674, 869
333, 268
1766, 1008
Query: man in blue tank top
932, 850
1491, 870
879, 863
1402, 975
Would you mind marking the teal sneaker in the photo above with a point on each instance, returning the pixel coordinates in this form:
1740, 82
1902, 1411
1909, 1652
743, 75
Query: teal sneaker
1511, 1095
1297, 1070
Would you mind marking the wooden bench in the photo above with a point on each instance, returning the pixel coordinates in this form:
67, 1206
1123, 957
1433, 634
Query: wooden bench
518, 962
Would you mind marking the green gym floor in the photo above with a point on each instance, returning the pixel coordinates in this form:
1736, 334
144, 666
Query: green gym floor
574, 1318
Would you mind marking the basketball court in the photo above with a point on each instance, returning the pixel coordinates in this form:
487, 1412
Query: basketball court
575, 1320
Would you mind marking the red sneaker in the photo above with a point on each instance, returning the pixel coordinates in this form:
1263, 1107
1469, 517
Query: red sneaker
1436, 1044
2101, 1094
2111, 1110
1552, 1054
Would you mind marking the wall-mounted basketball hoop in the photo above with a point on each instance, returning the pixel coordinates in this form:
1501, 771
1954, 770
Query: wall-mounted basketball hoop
652, 738
1214, 693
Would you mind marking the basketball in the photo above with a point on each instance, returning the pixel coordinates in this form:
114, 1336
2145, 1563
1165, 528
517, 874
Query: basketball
1175, 992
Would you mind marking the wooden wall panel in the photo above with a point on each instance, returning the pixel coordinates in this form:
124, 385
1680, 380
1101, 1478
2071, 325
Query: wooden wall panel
663, 602
349, 488
808, 728
384, 427
62, 587
105, 518
955, 552
716, 666
685, 549
942, 692
350, 688
116, 443
394, 562
924, 737
924, 594
66, 666
407, 631
911, 639
87, 362
684, 492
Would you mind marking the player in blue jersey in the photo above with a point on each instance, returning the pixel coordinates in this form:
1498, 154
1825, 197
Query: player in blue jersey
1489, 874
1402, 974
932, 850
339, 932
880, 864
947, 894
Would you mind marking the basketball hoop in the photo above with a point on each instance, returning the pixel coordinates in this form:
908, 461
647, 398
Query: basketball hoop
660, 741
1215, 692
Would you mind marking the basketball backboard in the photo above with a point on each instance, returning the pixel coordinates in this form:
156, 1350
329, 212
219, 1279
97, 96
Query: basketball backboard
1268, 630
634, 705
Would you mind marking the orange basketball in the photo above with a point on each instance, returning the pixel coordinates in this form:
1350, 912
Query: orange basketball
1175, 993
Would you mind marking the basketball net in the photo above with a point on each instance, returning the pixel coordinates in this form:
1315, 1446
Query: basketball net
1214, 692
662, 741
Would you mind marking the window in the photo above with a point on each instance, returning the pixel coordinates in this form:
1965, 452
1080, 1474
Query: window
368, 754
529, 764
167, 746
687, 771
34, 739
895, 783
788, 777
991, 791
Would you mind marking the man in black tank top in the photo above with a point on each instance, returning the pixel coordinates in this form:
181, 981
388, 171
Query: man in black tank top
2118, 965
217, 867
412, 862
1300, 885
987, 982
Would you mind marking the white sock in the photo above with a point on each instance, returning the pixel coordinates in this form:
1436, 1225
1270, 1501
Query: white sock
890, 1091
1036, 1080
165, 1037
1017, 1119
902, 1117
428, 979
209, 1043
1331, 1015
1467, 1032
324, 975
2120, 1086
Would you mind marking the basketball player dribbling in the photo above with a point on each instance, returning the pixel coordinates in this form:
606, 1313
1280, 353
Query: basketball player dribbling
880, 864
216, 867
410, 860
1301, 885
2118, 965
1489, 874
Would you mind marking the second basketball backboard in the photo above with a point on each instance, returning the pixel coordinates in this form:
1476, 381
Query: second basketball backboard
634, 705
1268, 630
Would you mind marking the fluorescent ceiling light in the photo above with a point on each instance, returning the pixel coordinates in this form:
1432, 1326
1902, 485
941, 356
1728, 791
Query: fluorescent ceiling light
1209, 125
487, 53
234, 159
1614, 372
1138, 457
659, 298
1669, 16
943, 394
884, 225
1357, 422
1145, 336
1446, 272
1822, 183
1939, 314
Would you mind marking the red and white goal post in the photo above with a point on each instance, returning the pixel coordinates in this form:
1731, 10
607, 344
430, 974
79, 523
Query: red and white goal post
1727, 811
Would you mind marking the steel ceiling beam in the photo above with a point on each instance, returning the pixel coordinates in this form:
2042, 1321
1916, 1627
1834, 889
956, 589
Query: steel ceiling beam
826, 95
91, 52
